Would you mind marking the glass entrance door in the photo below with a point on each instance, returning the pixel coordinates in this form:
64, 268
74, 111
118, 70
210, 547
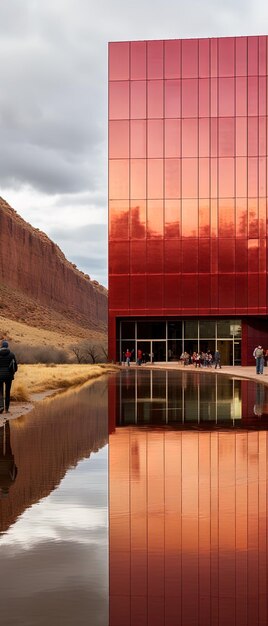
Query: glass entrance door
225, 348
146, 349
159, 351
152, 350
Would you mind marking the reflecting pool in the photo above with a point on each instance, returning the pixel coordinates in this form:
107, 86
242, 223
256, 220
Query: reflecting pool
187, 515
188, 500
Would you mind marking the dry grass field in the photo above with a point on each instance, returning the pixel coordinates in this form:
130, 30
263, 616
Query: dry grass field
34, 379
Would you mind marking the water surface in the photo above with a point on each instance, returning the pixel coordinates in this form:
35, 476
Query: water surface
187, 515
54, 543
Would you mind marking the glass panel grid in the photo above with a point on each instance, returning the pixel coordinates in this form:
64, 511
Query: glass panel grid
179, 336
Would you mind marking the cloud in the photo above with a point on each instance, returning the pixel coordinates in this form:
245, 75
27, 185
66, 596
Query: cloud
82, 234
86, 247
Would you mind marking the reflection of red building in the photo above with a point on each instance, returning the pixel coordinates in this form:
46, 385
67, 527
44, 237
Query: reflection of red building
187, 196
188, 528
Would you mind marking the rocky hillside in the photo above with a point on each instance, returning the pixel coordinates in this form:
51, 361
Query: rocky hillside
37, 283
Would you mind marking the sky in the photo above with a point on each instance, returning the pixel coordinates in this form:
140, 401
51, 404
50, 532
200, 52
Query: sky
53, 103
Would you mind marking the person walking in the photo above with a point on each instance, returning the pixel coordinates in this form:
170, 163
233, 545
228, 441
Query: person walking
258, 356
8, 367
217, 359
128, 357
139, 359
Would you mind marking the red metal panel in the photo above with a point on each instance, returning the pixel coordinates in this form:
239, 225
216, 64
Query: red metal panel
138, 99
173, 178
155, 98
189, 137
137, 292
138, 219
204, 87
172, 291
155, 59
189, 58
241, 56
227, 56
119, 292
189, 97
253, 51
172, 57
173, 98
204, 51
204, 258
138, 60
172, 138
118, 219
119, 100
154, 259
137, 257
138, 139
155, 139
119, 257
138, 178
119, 60
226, 97
155, 291
119, 139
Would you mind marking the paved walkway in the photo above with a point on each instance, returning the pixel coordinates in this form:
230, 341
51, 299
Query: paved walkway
237, 371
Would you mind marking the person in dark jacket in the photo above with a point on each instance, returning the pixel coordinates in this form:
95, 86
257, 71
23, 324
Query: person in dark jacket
8, 367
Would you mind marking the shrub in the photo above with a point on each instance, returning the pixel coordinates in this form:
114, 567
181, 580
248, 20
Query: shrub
19, 393
39, 354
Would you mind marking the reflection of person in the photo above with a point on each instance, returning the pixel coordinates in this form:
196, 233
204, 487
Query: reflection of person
217, 359
258, 355
258, 406
139, 359
8, 470
8, 367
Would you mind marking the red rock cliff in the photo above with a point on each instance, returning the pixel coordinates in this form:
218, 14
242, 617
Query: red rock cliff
32, 264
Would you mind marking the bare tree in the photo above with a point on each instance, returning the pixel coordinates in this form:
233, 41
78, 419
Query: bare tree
79, 353
91, 351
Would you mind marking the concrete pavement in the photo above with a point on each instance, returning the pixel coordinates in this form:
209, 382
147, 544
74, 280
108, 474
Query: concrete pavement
237, 371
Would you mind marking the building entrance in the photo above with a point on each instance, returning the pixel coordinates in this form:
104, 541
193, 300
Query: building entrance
154, 350
165, 340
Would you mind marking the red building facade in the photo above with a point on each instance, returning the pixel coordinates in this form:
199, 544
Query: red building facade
188, 197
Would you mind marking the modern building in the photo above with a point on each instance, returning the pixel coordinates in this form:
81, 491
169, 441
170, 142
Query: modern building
188, 197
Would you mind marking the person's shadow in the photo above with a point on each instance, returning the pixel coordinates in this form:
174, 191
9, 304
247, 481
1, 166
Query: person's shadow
8, 469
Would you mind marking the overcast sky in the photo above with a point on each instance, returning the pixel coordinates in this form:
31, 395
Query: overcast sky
53, 103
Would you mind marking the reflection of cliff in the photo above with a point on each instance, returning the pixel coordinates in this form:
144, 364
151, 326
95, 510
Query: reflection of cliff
50, 440
36, 267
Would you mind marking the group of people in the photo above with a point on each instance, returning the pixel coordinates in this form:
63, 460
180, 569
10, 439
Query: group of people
202, 359
142, 357
199, 359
